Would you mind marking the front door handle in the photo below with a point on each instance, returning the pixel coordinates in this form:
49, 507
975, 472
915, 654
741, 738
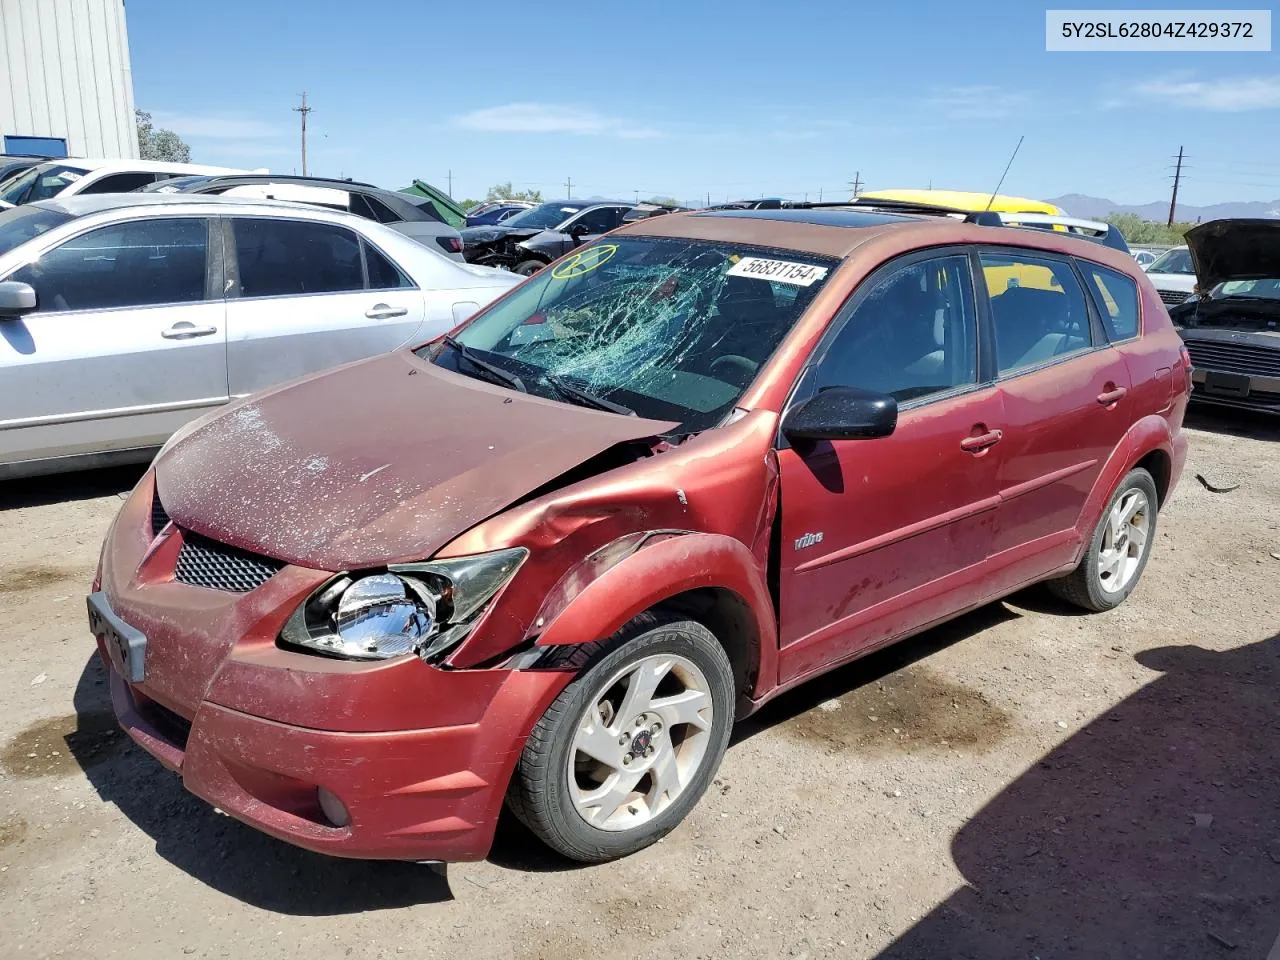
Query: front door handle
982, 441
1108, 397
380, 311
185, 330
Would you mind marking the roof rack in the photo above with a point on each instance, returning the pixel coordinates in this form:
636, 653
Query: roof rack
1094, 230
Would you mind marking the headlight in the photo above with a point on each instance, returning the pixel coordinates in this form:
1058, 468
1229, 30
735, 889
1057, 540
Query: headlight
424, 608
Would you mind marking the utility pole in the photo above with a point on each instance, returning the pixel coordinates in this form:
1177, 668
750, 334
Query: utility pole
708, 198
1177, 177
450, 184
856, 184
637, 196
304, 110
819, 194
568, 187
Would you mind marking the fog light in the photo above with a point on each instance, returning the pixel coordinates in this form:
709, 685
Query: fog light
333, 808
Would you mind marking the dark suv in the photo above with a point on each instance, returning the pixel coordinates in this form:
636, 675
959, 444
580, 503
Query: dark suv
418, 220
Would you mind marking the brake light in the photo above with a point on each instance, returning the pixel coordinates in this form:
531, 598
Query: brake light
1187, 366
451, 244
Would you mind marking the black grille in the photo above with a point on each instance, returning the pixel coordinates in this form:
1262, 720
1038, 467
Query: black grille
159, 519
207, 563
1231, 357
1172, 297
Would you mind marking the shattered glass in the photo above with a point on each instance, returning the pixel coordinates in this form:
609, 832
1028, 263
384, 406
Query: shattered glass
658, 325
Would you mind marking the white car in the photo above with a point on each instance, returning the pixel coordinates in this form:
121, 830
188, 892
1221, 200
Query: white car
1144, 258
1173, 275
77, 175
123, 317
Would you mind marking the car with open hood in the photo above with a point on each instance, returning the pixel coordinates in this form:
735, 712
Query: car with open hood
1232, 327
551, 557
528, 241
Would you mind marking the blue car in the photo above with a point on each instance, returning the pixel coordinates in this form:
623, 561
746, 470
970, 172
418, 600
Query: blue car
489, 215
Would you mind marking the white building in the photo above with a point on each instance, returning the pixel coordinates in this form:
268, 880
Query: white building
65, 84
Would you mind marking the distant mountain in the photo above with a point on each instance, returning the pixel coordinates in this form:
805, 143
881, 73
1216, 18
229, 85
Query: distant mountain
1080, 205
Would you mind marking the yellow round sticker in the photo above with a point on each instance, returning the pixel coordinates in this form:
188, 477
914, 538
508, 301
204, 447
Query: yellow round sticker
584, 261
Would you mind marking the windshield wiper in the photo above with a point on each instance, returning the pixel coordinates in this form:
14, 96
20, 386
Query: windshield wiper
505, 376
585, 398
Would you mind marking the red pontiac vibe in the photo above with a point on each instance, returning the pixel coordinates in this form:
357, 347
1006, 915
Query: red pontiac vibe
551, 559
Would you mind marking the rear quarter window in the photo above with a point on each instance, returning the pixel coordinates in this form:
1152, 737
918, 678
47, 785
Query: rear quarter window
1117, 299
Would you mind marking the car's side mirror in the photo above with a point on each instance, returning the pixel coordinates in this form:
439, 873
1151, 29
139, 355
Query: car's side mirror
16, 299
842, 413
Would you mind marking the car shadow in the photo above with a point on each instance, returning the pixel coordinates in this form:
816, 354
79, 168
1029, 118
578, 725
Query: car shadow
1153, 832
66, 487
871, 668
1236, 423
220, 851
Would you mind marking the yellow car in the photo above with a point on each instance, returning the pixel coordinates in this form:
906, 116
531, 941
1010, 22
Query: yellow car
998, 279
965, 201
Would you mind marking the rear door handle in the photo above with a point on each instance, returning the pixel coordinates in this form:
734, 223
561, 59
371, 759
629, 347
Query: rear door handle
982, 441
185, 330
380, 311
1111, 396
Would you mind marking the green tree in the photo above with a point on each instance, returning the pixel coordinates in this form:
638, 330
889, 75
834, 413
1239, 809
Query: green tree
664, 201
1137, 230
160, 144
504, 191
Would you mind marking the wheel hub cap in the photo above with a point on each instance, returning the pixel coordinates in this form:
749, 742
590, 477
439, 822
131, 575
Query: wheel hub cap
640, 742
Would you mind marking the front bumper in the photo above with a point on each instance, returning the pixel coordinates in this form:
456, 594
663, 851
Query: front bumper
424, 794
1237, 369
419, 756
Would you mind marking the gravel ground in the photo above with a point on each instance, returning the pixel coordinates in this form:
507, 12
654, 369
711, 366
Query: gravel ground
1024, 782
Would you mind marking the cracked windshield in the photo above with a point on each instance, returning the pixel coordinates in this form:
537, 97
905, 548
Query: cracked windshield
666, 329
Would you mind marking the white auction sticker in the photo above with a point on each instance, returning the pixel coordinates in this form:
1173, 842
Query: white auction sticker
780, 271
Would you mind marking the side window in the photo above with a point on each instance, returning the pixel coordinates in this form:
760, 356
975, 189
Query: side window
600, 220
1038, 310
120, 183
914, 334
381, 211
372, 209
383, 274
1117, 299
136, 264
282, 258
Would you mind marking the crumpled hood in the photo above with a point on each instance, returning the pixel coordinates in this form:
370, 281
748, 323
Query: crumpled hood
381, 461
490, 233
1225, 250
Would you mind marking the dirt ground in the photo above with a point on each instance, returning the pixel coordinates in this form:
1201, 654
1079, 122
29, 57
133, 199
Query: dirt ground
1025, 782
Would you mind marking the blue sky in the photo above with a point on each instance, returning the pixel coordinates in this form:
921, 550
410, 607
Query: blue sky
681, 99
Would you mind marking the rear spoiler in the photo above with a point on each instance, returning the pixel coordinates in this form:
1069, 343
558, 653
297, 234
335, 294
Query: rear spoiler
1094, 230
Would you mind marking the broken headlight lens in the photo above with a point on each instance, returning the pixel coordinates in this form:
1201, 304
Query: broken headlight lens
424, 608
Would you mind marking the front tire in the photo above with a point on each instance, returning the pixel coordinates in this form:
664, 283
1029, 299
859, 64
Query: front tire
1119, 549
528, 268
629, 747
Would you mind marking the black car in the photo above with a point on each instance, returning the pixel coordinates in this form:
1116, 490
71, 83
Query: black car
415, 217
643, 211
1232, 326
530, 240
13, 164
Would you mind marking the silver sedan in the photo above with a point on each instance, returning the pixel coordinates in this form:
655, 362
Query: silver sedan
124, 316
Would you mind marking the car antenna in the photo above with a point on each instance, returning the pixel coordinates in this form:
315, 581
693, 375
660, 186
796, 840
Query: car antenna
1003, 175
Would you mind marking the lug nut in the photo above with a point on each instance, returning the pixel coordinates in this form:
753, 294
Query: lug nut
656, 728
649, 752
639, 721
626, 760
622, 741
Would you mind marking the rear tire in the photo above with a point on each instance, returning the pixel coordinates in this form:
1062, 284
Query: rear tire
1119, 549
528, 268
629, 747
